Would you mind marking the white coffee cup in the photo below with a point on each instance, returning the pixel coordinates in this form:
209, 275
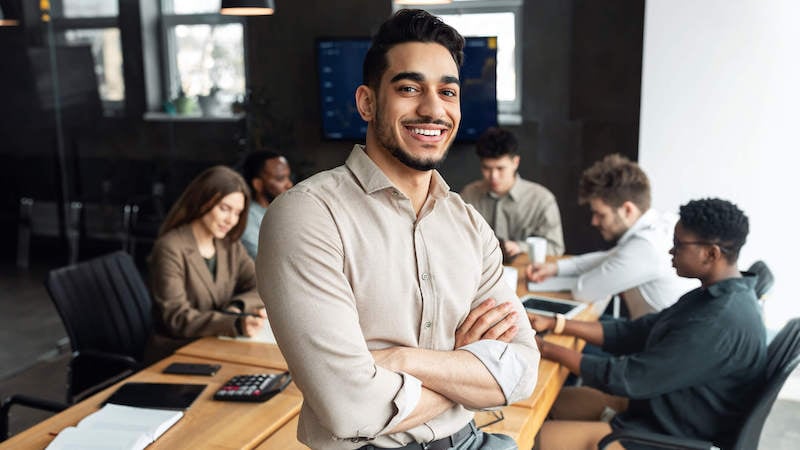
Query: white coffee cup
537, 249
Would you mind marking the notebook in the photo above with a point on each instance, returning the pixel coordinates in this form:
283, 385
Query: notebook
116, 427
554, 284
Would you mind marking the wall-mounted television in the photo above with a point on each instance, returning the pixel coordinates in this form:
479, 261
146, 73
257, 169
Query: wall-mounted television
339, 63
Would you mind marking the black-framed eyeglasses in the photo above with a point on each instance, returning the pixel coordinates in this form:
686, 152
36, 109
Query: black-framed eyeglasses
677, 244
496, 416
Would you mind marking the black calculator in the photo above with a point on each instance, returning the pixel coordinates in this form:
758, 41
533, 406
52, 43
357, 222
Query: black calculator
258, 387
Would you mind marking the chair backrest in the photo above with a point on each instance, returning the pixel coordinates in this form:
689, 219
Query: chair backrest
783, 356
765, 279
104, 304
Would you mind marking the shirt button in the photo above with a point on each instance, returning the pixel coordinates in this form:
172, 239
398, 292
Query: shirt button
395, 193
425, 276
427, 324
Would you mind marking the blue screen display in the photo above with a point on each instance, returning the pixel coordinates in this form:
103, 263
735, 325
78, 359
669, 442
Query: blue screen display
339, 64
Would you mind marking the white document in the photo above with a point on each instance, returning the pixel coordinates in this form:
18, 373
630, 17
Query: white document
554, 284
116, 427
510, 274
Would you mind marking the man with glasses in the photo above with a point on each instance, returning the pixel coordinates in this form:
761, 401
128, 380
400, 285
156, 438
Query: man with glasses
692, 370
618, 193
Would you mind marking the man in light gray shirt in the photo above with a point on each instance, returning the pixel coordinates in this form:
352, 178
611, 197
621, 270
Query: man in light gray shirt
269, 176
639, 266
515, 208
379, 282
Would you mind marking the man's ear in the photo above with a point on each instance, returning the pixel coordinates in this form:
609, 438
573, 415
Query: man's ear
258, 185
365, 102
714, 254
629, 211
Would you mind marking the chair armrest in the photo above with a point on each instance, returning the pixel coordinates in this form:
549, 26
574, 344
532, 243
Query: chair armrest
115, 358
25, 400
656, 440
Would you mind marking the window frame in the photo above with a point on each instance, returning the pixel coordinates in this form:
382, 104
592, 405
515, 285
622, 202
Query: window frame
61, 24
168, 49
505, 108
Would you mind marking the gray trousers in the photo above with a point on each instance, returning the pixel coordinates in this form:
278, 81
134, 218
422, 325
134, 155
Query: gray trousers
486, 441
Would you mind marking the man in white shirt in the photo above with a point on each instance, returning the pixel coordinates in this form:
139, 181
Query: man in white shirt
638, 267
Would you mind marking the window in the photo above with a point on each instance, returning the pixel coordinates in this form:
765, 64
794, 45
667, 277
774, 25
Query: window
499, 18
94, 23
203, 51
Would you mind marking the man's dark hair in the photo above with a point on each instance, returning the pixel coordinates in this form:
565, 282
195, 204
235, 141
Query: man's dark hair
718, 221
615, 180
408, 25
254, 164
496, 142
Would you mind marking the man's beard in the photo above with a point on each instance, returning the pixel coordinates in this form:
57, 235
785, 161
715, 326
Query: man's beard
389, 142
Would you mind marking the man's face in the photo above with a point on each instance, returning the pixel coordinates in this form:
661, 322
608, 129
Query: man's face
609, 221
418, 106
689, 253
275, 178
500, 173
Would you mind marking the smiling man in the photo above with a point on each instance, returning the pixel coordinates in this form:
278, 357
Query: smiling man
638, 267
515, 208
384, 289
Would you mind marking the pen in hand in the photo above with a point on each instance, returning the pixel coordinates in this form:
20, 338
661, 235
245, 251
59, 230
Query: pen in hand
240, 314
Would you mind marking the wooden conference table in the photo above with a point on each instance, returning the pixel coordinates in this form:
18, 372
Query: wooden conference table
273, 425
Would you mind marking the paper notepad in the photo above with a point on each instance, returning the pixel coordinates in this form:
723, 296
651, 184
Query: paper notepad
554, 284
116, 427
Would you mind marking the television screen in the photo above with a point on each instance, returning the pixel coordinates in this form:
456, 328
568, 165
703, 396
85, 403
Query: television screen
339, 63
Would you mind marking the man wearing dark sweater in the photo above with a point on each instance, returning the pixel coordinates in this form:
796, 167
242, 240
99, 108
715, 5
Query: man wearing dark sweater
691, 370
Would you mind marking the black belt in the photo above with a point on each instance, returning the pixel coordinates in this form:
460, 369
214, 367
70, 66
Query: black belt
439, 444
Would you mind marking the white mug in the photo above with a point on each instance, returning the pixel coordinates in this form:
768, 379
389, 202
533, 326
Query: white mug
537, 249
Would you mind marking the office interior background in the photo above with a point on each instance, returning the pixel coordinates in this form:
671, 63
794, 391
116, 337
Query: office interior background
703, 94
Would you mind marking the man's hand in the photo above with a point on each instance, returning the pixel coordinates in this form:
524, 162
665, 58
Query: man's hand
511, 248
252, 325
488, 321
541, 323
537, 272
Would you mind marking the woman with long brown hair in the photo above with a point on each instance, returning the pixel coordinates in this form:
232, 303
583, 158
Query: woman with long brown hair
202, 279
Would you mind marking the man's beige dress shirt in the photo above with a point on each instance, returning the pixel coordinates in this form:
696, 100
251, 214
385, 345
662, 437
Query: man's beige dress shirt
529, 209
345, 266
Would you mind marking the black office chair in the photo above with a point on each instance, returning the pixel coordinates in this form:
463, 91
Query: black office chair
105, 307
765, 278
783, 356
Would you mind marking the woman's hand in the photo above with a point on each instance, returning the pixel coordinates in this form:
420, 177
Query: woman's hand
252, 325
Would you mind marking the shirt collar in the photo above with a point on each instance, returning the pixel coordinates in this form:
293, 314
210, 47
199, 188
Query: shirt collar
731, 285
514, 193
372, 178
644, 221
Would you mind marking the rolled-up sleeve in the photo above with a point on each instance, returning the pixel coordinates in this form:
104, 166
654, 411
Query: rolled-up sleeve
514, 365
314, 317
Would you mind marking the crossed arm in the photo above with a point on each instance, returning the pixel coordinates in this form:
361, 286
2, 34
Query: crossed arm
456, 376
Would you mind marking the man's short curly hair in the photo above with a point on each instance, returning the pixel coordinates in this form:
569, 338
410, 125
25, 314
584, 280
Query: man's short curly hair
718, 221
496, 142
615, 180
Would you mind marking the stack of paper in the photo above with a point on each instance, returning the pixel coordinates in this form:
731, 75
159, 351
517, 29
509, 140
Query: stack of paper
116, 427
